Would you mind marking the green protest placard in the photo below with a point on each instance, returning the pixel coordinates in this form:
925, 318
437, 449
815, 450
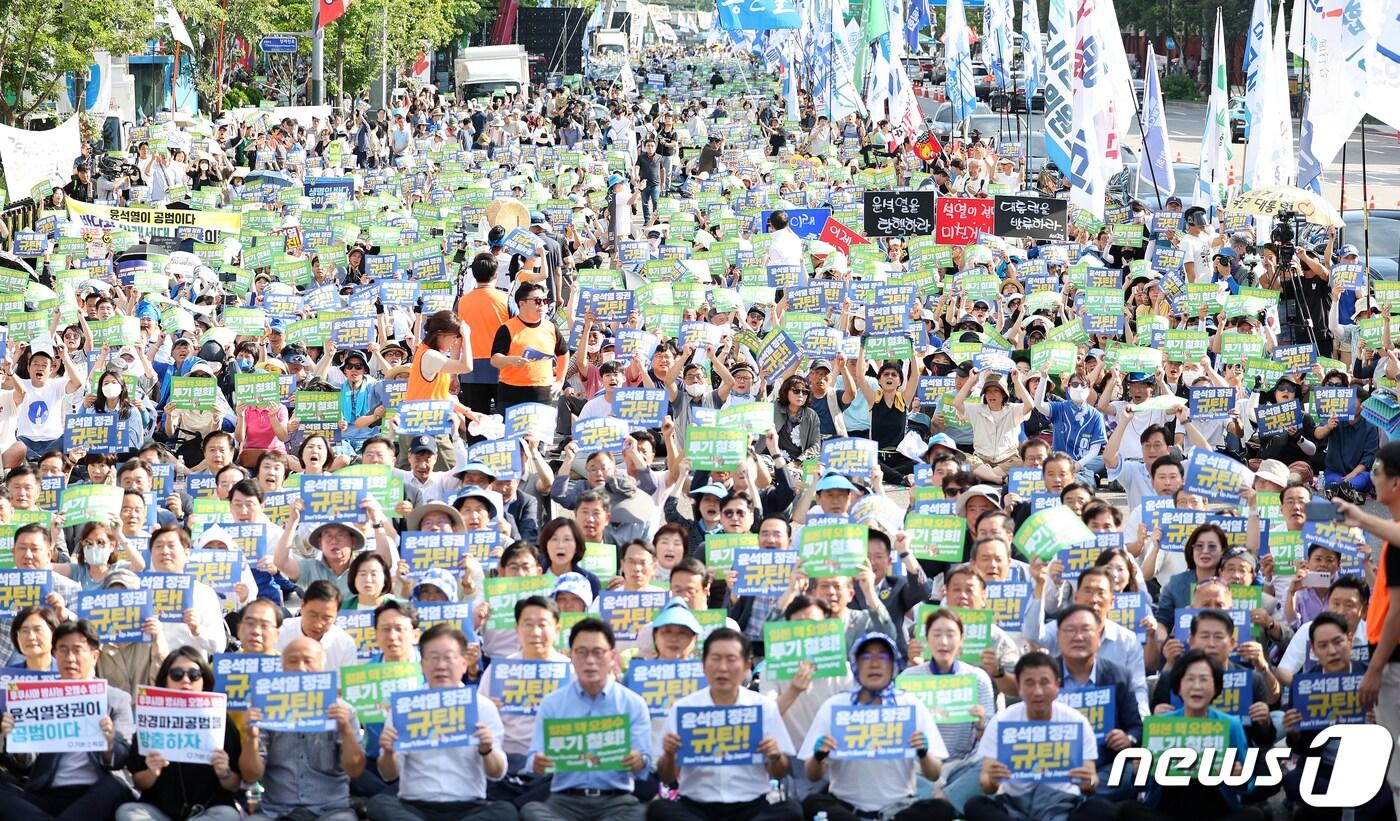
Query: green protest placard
592, 744
1183, 345
382, 482
193, 393
1237, 347
503, 592
715, 448
369, 687
1161, 733
1128, 235
977, 629
1135, 358
753, 418
80, 504
245, 321
256, 390
1051, 530
786, 644
832, 550
888, 346
1059, 357
720, 547
26, 326
1267, 370
600, 559
318, 406
949, 698
1102, 301
935, 537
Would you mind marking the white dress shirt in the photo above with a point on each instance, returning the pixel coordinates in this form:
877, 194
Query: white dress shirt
731, 784
452, 774
338, 644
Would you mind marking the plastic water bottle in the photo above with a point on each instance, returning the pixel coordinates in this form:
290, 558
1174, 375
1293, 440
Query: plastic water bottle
775, 791
821, 816
254, 796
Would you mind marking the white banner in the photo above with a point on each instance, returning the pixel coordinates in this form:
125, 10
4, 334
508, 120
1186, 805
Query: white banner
30, 157
56, 716
180, 725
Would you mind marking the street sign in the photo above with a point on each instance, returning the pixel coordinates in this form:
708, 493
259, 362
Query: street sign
278, 45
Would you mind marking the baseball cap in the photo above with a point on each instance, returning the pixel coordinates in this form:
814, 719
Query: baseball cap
1173, 200
575, 584
676, 612
835, 481
423, 444
821, 363
1139, 376
714, 489
439, 578
1348, 251
985, 491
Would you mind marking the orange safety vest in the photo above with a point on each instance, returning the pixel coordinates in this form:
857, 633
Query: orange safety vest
538, 373
1378, 607
420, 386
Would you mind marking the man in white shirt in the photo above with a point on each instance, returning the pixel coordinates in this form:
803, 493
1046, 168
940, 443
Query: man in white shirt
1038, 679
723, 792
41, 409
785, 248
1197, 243
451, 782
874, 788
319, 607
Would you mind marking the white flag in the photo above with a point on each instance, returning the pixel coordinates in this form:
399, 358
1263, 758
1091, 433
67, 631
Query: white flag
957, 59
1093, 133
1215, 141
1256, 49
1284, 161
166, 15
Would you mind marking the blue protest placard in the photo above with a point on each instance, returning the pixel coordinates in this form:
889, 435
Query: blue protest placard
1008, 601
850, 456
1216, 476
234, 674
518, 685
1275, 420
600, 434
457, 614
1176, 525
1025, 481
95, 433
425, 417
171, 594
501, 456
425, 550
359, 624
1334, 403
785, 276
719, 736
660, 682
295, 702
434, 719
1296, 358
626, 611
777, 354
353, 333
1043, 751
632, 342
1128, 610
332, 498
607, 306
1094, 703
531, 418
640, 407
116, 614
872, 731
804, 222
1337, 537
250, 538
1209, 404
201, 485
1181, 631
1236, 694
219, 569
763, 571
1324, 699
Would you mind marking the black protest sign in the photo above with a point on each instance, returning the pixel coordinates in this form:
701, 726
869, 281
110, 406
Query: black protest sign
900, 213
1034, 217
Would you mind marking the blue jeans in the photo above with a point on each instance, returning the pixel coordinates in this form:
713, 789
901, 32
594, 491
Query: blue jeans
649, 195
1089, 469
1361, 481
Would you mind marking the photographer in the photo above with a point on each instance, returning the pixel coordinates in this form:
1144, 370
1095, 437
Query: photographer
1301, 278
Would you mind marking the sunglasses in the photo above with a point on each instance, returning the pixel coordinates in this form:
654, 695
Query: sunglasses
538, 300
183, 674
352, 366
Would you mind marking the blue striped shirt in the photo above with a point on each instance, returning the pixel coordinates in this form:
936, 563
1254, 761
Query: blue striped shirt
571, 701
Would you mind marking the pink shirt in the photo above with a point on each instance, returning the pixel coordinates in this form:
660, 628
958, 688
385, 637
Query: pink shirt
258, 432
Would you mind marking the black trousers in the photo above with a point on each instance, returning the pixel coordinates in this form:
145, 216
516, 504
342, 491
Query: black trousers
393, 808
928, 809
684, 809
86, 802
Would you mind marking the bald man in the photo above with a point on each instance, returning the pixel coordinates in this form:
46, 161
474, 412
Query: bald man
304, 775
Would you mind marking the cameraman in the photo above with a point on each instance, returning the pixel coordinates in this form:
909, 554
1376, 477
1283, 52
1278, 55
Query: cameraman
1305, 299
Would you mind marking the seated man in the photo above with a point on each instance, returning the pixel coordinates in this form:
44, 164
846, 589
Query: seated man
437, 785
74, 785
305, 776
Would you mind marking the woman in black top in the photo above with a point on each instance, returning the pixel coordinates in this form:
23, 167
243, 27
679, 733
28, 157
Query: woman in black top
889, 412
181, 791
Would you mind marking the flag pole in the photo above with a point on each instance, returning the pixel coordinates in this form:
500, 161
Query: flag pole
1365, 211
1150, 65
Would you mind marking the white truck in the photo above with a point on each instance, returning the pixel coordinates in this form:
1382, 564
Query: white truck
485, 70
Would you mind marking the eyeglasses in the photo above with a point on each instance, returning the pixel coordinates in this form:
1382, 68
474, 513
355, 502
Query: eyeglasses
435, 659
521, 567
186, 673
584, 653
352, 366
733, 513
642, 562
868, 658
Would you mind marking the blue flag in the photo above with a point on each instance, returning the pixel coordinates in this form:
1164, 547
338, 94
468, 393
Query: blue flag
1156, 172
915, 20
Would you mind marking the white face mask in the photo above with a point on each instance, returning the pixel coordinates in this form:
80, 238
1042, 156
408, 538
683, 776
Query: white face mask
594, 347
1078, 394
111, 390
96, 555
696, 390
1187, 377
